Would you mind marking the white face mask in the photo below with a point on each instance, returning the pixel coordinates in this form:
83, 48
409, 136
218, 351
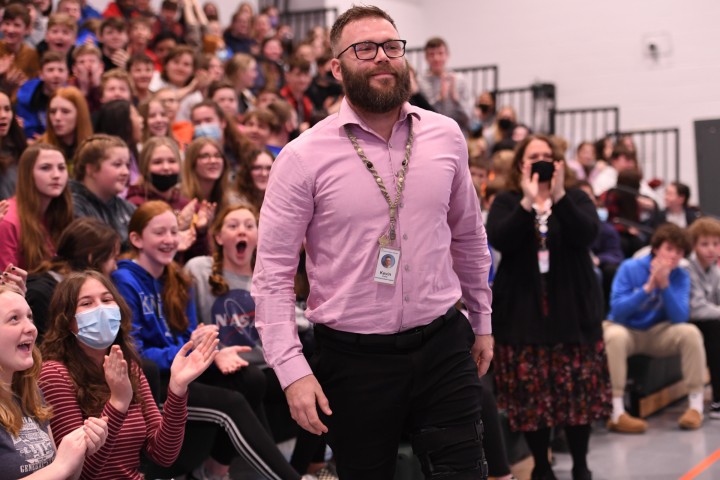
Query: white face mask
98, 327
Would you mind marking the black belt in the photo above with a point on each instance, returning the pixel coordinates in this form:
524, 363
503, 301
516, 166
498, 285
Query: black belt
406, 340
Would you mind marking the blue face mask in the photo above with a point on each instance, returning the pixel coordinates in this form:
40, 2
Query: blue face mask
210, 130
98, 327
602, 214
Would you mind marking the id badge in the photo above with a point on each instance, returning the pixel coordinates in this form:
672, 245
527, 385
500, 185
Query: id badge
544, 260
387, 265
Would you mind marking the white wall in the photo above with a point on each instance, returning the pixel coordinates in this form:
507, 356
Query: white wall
594, 51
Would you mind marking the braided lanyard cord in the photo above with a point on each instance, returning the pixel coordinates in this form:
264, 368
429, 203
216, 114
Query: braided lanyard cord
389, 237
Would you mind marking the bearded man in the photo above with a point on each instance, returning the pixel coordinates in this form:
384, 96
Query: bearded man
380, 179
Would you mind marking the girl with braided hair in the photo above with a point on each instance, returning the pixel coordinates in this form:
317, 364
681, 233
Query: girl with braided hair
221, 283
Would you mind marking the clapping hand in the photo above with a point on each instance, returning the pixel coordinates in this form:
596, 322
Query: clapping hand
660, 273
557, 185
529, 183
186, 368
15, 277
116, 376
229, 361
70, 453
205, 214
186, 215
96, 431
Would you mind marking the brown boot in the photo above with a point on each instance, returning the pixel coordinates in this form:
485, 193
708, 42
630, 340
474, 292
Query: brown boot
691, 419
627, 424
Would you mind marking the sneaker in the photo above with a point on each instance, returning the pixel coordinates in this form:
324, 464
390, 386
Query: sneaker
326, 473
200, 474
627, 424
691, 419
714, 411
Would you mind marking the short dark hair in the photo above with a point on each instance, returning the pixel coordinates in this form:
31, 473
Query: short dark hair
139, 58
620, 150
299, 63
354, 14
219, 85
15, 11
672, 234
114, 22
682, 190
434, 42
50, 57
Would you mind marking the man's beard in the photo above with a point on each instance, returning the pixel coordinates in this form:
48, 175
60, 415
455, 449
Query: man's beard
372, 99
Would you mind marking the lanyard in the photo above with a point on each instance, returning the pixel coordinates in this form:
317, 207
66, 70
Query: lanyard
385, 239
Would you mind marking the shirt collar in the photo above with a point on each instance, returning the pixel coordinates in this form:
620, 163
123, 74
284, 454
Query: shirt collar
348, 116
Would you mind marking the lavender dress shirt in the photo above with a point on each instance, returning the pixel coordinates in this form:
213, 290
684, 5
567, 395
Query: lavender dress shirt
320, 192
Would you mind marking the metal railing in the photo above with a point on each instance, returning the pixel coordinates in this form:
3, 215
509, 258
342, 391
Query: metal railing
302, 21
533, 105
658, 152
584, 124
478, 78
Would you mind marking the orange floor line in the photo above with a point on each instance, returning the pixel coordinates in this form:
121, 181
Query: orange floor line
702, 466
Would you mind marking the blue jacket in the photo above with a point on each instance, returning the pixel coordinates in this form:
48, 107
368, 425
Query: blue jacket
34, 118
143, 294
632, 307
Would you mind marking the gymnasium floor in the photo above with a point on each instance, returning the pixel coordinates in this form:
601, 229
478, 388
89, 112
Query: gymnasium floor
664, 452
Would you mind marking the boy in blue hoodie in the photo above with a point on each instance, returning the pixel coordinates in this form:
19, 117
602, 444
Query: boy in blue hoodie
649, 313
33, 97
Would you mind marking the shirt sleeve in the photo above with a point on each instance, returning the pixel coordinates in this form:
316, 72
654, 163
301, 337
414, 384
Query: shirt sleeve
626, 295
60, 393
165, 433
9, 244
701, 308
287, 210
469, 247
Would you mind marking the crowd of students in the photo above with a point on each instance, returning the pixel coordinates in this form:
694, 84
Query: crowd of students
135, 150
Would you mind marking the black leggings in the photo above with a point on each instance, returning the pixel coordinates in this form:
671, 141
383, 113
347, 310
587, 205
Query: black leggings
217, 398
711, 334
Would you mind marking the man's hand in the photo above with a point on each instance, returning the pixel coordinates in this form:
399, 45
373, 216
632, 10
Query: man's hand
119, 58
482, 352
303, 395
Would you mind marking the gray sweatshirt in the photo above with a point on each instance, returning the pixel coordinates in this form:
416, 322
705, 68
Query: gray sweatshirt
704, 291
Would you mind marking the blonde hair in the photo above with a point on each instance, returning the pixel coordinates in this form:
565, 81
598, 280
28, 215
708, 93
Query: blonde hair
23, 395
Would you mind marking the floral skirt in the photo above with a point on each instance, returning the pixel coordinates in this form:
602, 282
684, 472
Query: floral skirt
542, 386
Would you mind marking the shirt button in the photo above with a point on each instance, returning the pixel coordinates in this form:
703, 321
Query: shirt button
405, 236
407, 298
407, 268
402, 205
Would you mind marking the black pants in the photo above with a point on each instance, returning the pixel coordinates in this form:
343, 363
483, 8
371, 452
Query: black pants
498, 465
376, 393
711, 335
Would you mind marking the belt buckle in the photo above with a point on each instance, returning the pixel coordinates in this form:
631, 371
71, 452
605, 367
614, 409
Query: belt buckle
410, 340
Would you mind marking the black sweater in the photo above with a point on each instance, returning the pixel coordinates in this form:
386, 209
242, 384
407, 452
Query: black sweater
573, 291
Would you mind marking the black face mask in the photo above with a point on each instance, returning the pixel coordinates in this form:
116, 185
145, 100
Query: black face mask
544, 170
506, 124
163, 183
484, 108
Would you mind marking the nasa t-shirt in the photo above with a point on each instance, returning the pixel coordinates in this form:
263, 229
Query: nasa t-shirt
233, 312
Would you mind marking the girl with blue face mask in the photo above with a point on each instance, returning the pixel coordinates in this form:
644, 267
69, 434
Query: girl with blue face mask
91, 368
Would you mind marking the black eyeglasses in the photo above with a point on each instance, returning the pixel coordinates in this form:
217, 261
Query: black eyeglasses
369, 50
